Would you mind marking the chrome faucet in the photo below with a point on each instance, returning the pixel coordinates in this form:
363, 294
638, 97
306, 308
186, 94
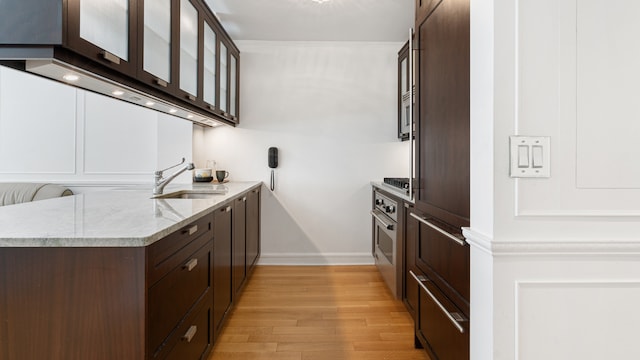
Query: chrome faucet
161, 182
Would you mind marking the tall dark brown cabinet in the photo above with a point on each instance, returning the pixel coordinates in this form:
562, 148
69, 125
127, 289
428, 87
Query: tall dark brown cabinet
440, 277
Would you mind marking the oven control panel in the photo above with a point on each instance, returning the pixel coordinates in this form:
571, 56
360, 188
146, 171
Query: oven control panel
386, 205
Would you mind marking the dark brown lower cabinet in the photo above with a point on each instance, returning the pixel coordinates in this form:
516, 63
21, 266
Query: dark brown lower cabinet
165, 301
221, 269
442, 328
253, 228
410, 288
239, 243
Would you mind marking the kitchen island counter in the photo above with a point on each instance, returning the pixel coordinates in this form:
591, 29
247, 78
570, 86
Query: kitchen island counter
128, 217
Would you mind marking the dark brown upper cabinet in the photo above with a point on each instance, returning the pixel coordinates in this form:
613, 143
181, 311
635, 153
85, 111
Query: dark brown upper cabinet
169, 55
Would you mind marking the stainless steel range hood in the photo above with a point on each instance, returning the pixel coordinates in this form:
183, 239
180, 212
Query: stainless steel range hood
63, 72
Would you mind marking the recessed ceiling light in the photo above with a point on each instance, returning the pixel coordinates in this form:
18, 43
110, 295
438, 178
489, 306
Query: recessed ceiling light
320, 1
117, 92
173, 111
71, 77
149, 103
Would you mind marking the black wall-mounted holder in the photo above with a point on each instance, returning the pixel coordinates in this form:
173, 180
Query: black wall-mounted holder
273, 163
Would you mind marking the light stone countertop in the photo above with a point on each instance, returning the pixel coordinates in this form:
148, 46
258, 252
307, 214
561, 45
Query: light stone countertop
126, 217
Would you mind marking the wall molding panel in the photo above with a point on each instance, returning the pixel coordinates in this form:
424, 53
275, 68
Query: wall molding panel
559, 320
576, 81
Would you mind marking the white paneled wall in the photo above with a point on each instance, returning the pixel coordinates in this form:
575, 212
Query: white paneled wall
37, 126
51, 132
555, 270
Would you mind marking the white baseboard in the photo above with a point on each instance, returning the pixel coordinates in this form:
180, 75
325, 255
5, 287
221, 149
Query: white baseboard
316, 259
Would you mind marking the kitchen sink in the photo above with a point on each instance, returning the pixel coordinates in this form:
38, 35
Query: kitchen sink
191, 194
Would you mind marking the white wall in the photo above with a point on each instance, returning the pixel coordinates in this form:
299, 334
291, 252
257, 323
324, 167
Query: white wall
555, 270
51, 132
330, 109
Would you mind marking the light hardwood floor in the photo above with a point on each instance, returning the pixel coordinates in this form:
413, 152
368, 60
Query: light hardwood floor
317, 313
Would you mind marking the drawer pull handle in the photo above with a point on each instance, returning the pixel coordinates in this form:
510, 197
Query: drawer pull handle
188, 336
459, 240
190, 264
192, 230
110, 57
454, 317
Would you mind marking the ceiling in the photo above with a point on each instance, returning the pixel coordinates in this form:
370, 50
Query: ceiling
307, 20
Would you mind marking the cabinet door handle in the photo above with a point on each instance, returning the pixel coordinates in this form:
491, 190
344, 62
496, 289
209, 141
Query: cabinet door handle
454, 317
191, 97
110, 57
161, 82
192, 230
188, 336
244, 199
190, 265
458, 239
227, 209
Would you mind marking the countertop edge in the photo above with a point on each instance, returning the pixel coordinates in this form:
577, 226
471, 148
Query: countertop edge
51, 241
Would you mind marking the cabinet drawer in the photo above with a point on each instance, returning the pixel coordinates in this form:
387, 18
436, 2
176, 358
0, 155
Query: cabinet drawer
172, 297
173, 250
193, 338
443, 328
443, 255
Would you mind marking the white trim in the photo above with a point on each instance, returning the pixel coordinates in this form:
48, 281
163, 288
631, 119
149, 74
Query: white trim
316, 259
550, 246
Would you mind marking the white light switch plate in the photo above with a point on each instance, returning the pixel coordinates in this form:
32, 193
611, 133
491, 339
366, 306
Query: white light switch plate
530, 156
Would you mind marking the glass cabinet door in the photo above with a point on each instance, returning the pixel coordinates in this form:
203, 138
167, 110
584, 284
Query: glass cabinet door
209, 76
105, 23
157, 40
188, 48
224, 71
233, 86
103, 31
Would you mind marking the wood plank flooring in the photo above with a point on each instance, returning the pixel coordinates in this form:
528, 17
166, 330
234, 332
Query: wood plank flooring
317, 313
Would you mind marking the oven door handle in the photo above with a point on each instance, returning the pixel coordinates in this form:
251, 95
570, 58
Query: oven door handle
374, 213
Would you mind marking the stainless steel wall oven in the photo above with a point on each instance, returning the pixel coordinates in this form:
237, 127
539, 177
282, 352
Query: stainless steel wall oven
385, 223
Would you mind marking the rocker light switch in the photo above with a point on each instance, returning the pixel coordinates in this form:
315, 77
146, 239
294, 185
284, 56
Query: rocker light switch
537, 157
530, 156
523, 156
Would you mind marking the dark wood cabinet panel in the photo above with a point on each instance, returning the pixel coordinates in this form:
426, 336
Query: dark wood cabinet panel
222, 265
239, 244
253, 228
442, 119
410, 288
49, 296
440, 326
443, 113
424, 8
